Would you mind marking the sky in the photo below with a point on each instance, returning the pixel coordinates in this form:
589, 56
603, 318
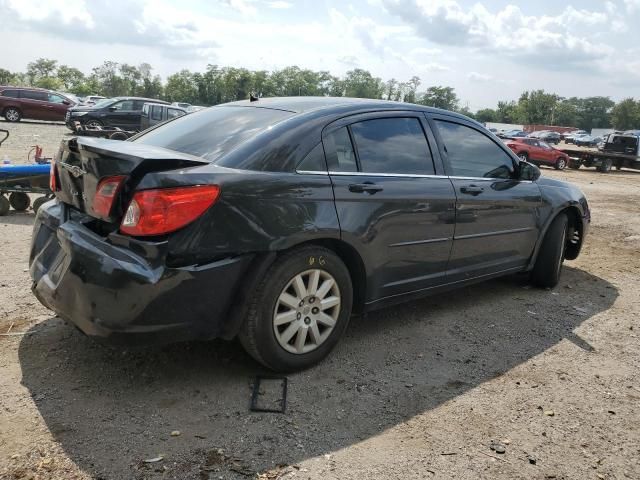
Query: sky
488, 50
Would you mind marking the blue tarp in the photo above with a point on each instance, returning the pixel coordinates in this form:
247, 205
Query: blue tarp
23, 170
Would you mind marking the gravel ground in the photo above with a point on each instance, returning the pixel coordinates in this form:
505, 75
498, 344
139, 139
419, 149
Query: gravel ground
417, 391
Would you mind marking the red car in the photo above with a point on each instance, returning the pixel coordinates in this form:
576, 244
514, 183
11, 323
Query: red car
538, 152
17, 103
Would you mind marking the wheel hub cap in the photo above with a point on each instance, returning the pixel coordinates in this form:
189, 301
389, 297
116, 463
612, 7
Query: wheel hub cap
306, 311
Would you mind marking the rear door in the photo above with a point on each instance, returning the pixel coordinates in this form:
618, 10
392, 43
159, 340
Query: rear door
393, 201
34, 103
496, 214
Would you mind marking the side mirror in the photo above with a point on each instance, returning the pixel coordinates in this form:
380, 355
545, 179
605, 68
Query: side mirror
528, 171
66, 102
112, 109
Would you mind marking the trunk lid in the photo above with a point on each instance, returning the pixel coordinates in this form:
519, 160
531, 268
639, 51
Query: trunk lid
83, 162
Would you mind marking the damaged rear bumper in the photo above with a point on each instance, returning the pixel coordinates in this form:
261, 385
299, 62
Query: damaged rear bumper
120, 289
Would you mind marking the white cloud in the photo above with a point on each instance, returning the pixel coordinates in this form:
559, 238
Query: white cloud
544, 38
632, 5
479, 77
279, 4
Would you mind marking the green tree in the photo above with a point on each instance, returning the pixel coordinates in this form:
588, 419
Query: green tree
71, 78
566, 113
507, 112
440, 97
626, 115
486, 115
109, 82
537, 107
594, 112
360, 83
40, 70
182, 87
411, 90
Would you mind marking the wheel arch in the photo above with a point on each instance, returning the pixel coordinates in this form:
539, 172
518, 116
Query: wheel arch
574, 215
262, 262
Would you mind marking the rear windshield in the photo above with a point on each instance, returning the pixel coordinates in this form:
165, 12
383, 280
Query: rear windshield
212, 132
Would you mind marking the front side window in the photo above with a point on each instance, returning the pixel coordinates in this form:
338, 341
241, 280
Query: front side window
472, 154
340, 154
123, 106
392, 145
53, 98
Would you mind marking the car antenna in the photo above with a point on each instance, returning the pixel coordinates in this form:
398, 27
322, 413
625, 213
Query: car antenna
253, 97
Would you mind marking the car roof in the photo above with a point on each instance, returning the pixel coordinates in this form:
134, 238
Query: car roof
147, 100
308, 104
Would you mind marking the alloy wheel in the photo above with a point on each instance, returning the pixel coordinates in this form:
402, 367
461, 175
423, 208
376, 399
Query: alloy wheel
306, 311
12, 115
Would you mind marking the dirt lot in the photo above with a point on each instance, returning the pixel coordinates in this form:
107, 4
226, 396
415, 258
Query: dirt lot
418, 391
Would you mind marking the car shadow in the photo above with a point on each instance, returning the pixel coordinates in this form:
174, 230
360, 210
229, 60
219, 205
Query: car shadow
112, 408
18, 218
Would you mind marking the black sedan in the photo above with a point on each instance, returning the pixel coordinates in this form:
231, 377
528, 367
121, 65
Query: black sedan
275, 220
121, 112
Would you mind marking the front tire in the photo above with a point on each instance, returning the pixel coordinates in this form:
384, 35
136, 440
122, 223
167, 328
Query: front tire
12, 114
4, 206
548, 266
299, 311
94, 124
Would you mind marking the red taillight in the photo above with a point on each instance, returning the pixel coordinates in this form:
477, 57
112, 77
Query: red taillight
53, 177
105, 195
164, 210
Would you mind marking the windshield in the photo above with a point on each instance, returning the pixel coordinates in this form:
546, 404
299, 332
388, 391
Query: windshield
213, 132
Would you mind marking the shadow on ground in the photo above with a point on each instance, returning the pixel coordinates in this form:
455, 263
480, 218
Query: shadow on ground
109, 408
18, 218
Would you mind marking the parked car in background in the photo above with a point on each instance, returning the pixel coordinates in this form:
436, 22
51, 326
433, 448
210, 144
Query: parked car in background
587, 141
155, 113
17, 103
121, 112
92, 99
195, 108
550, 137
538, 152
569, 137
182, 105
513, 134
273, 220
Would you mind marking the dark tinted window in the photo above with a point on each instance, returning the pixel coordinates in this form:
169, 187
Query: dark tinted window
53, 98
10, 93
212, 132
137, 105
34, 95
156, 112
174, 112
472, 154
392, 145
314, 161
340, 155
123, 106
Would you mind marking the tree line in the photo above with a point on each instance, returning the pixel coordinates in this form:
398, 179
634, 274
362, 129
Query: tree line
225, 84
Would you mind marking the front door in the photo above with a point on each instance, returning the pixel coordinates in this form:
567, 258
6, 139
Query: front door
391, 204
497, 215
123, 114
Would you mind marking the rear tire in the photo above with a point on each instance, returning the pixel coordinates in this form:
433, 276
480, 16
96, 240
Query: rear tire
12, 114
548, 266
19, 201
4, 205
281, 331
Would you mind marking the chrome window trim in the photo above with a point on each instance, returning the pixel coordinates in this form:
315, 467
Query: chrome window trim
401, 175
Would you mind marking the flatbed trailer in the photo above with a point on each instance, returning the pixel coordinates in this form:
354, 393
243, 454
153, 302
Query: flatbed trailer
603, 161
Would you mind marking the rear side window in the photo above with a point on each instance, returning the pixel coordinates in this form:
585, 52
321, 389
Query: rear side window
10, 93
314, 161
53, 98
472, 154
34, 95
340, 154
213, 132
392, 145
156, 112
